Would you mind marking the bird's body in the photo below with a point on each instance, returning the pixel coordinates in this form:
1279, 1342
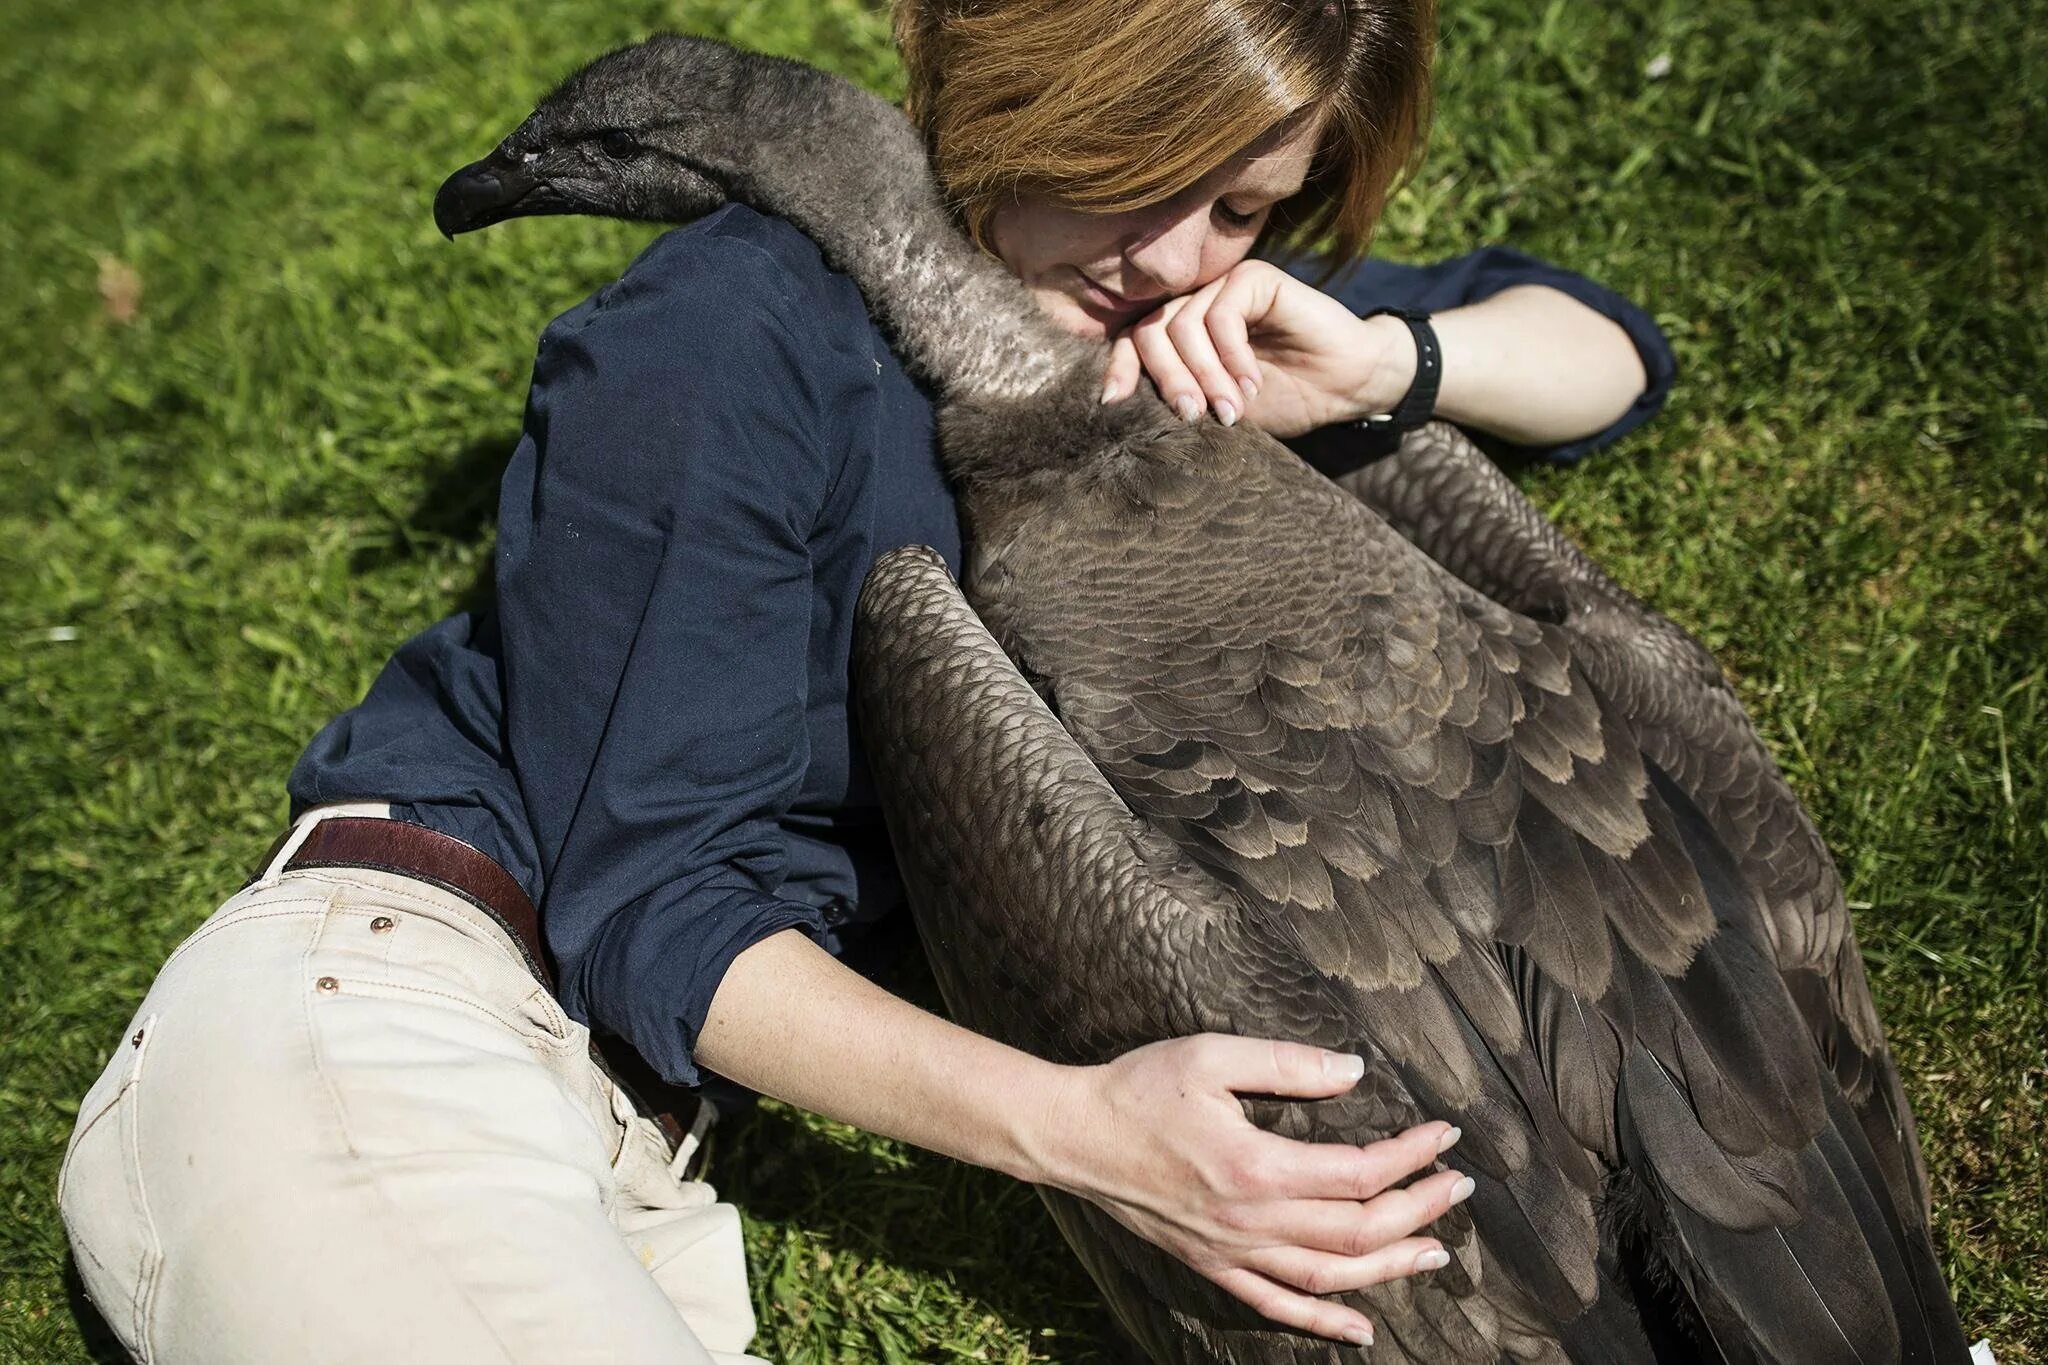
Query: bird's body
1472, 813
1407, 822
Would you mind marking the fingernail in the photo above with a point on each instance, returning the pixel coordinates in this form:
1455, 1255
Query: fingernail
1360, 1336
1226, 412
1249, 385
1450, 1135
1462, 1190
1343, 1066
1433, 1260
1188, 408
1109, 393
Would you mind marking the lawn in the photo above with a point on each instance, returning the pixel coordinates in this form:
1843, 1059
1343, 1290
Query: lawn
260, 408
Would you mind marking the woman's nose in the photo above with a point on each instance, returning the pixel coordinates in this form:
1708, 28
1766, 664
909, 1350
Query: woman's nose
1170, 253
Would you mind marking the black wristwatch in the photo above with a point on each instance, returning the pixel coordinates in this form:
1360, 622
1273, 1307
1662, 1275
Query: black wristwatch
1418, 405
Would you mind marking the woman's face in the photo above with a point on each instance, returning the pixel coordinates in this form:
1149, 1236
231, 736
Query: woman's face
1096, 273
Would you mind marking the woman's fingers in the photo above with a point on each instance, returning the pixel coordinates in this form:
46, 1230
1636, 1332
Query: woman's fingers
1346, 1227
1262, 1215
1318, 1272
1246, 294
1162, 359
1189, 332
1176, 350
1120, 381
1294, 1309
1337, 1170
1271, 1066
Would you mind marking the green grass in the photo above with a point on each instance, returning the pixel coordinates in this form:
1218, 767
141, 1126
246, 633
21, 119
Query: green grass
216, 519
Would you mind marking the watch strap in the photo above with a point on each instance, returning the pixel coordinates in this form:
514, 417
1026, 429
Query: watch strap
1418, 405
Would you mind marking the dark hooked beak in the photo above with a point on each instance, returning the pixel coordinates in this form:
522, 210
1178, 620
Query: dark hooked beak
490, 191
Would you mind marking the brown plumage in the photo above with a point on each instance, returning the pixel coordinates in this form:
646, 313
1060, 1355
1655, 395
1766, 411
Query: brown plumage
1398, 773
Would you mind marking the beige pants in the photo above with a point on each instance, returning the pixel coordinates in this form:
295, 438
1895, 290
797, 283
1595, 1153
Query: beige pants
347, 1125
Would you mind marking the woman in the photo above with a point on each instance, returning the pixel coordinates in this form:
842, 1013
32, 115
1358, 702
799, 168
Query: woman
356, 1117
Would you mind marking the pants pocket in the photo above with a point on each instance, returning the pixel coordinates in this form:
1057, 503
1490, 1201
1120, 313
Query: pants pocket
393, 951
101, 1194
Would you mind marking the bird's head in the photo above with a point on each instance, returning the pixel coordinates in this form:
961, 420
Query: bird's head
673, 128
658, 131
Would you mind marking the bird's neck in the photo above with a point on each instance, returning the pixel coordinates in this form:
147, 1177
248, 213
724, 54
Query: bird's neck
852, 173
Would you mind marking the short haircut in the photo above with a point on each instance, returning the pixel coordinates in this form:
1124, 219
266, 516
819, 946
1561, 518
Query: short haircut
1107, 105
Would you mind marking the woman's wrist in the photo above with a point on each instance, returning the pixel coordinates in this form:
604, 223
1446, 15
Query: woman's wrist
1057, 1131
1034, 1107
1034, 1124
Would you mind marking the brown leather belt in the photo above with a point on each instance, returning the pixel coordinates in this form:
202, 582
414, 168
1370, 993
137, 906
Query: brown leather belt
430, 856
378, 845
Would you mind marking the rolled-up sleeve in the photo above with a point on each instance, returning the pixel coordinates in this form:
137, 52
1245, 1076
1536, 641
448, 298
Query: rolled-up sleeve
1480, 275
655, 589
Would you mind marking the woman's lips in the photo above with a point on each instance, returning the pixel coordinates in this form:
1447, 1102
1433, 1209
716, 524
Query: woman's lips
1112, 306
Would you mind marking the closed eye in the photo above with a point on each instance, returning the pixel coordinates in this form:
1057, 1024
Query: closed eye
1230, 217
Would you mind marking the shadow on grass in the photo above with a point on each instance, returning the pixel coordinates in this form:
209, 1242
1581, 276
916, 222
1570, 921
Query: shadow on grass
987, 1235
459, 506
98, 1338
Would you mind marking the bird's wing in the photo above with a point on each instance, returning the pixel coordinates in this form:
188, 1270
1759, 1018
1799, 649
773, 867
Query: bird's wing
1060, 922
1428, 795
1441, 493
1299, 754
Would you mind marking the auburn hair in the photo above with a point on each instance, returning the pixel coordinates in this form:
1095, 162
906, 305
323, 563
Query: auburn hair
1107, 105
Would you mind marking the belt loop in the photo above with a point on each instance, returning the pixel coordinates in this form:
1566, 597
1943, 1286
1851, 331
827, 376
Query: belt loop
303, 826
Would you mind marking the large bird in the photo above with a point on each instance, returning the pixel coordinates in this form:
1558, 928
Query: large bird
1222, 746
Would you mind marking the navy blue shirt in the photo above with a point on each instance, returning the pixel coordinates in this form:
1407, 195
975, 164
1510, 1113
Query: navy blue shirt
652, 730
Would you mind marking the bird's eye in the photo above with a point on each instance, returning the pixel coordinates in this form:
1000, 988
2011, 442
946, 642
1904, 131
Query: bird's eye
618, 144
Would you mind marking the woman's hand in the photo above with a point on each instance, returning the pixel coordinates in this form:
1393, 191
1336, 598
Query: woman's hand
1257, 343
1159, 1139
1531, 364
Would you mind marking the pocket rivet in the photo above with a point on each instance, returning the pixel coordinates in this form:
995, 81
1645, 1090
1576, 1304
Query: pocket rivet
327, 984
136, 1041
383, 924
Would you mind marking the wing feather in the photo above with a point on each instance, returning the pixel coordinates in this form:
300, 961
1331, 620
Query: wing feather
1451, 501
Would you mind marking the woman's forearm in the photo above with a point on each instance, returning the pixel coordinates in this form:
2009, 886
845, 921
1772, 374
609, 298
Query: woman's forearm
790, 1020
1531, 364
1157, 1137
